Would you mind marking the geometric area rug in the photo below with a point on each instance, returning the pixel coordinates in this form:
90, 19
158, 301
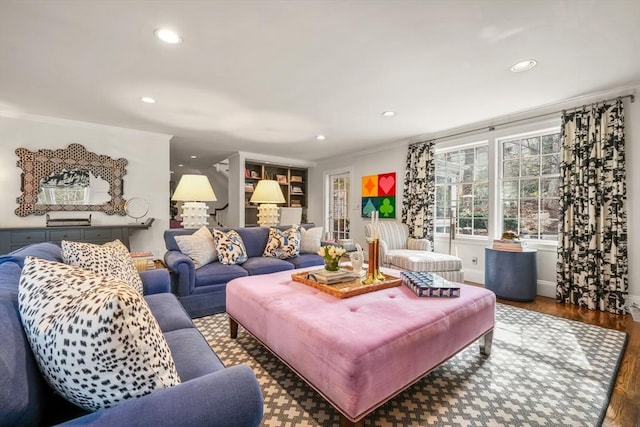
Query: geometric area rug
543, 371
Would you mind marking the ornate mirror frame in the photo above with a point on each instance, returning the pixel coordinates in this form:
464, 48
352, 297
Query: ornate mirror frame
42, 163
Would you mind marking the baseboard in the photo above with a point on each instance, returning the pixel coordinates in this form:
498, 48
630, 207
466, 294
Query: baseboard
475, 275
546, 289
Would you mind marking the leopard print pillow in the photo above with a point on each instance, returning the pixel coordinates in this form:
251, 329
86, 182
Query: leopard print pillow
93, 337
229, 247
111, 259
283, 244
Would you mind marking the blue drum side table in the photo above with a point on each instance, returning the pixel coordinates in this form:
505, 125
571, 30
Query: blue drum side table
511, 275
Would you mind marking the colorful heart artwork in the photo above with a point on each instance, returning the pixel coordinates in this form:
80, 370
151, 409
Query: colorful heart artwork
378, 194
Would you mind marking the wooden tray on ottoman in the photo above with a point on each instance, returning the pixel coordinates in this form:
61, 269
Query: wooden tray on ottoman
349, 288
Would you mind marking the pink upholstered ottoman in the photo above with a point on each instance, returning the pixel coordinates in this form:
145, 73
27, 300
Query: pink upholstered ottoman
358, 352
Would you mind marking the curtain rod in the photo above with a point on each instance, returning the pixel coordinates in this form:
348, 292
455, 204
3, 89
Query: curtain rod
493, 127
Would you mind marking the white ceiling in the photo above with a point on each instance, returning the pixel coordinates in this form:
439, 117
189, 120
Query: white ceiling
267, 76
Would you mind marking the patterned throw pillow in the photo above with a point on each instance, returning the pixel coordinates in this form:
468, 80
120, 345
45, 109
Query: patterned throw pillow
93, 337
111, 259
283, 244
199, 246
310, 240
230, 248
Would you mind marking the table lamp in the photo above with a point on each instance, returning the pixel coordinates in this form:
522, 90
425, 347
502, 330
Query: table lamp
194, 190
267, 193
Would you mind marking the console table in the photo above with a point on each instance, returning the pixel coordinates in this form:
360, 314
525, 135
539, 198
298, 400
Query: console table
17, 237
511, 275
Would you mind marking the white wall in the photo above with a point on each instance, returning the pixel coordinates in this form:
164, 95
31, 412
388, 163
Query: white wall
393, 159
147, 169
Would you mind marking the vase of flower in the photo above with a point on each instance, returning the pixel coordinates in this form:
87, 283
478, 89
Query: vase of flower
331, 255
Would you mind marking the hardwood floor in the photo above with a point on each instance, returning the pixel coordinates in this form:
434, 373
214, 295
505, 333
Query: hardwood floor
624, 406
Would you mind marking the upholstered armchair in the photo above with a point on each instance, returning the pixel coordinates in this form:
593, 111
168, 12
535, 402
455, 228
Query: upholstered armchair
400, 251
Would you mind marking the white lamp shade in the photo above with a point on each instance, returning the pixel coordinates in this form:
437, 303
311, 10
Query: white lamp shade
194, 188
267, 191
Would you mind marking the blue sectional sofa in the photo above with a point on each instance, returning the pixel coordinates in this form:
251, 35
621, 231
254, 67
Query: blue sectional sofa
202, 290
209, 393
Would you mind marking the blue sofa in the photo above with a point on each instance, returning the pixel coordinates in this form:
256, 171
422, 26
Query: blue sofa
202, 291
209, 394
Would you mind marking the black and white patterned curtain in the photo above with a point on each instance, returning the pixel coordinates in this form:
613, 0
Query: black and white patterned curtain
592, 243
419, 190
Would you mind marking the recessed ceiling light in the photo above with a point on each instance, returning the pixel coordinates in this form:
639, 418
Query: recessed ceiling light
524, 65
194, 157
388, 113
321, 137
148, 100
180, 164
167, 36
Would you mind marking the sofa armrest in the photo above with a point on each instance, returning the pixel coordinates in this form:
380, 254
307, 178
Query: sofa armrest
418, 244
155, 281
228, 397
382, 254
184, 272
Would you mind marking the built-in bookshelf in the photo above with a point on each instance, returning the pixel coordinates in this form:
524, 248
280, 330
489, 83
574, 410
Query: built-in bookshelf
293, 183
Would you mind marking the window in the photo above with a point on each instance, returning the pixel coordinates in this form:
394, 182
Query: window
530, 180
462, 190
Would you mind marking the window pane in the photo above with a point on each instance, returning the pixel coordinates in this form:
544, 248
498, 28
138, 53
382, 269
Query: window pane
481, 190
530, 147
529, 208
482, 173
550, 164
482, 155
510, 150
510, 189
511, 168
529, 188
481, 208
467, 173
530, 166
510, 208
550, 187
480, 226
466, 190
551, 143
550, 229
529, 228
549, 209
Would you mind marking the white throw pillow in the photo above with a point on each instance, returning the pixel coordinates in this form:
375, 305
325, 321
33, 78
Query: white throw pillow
310, 240
229, 247
93, 337
111, 259
283, 244
199, 246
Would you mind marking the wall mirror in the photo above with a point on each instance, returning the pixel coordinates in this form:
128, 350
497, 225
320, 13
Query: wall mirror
70, 179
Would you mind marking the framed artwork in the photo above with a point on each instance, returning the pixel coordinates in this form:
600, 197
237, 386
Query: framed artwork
379, 194
282, 179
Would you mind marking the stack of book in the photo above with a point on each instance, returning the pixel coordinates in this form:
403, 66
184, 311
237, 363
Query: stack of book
332, 277
143, 261
429, 284
509, 245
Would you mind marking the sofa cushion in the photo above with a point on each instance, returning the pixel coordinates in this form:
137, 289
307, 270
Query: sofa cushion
283, 244
93, 337
45, 250
110, 259
412, 260
266, 265
306, 260
199, 246
230, 248
192, 354
255, 239
215, 273
310, 240
21, 395
168, 312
